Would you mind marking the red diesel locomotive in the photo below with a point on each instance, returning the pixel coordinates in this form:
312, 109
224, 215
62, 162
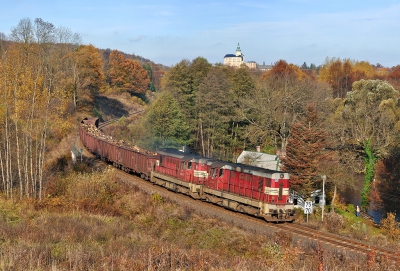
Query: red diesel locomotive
252, 190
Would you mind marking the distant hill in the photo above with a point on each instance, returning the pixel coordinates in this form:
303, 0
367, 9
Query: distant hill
141, 59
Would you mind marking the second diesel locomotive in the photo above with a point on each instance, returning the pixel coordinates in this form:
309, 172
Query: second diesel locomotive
248, 189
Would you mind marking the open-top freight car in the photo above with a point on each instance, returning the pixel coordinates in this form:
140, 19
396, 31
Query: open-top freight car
243, 188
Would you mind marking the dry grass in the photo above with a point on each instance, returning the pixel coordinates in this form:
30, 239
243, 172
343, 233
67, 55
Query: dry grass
90, 221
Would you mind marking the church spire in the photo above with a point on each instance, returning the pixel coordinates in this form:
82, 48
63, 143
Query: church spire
238, 51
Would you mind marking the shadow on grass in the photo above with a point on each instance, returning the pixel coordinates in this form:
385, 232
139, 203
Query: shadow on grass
111, 108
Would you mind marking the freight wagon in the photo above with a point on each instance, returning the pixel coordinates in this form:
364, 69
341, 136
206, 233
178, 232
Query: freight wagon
248, 189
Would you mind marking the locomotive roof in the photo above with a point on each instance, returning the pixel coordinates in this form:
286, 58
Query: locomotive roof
184, 156
257, 171
172, 152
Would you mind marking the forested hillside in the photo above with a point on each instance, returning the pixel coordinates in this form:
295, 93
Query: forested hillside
49, 78
340, 119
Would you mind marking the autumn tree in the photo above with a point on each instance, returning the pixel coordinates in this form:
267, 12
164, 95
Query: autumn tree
87, 73
28, 104
365, 69
338, 75
127, 74
385, 190
158, 74
391, 226
66, 69
45, 32
33, 99
305, 151
3, 42
23, 32
369, 118
64, 36
278, 100
394, 77
341, 74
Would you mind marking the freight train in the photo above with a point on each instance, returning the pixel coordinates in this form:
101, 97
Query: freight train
248, 189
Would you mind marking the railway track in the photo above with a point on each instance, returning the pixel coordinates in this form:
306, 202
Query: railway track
104, 124
343, 242
333, 241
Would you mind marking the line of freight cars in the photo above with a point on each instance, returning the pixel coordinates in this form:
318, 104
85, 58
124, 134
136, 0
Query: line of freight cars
248, 189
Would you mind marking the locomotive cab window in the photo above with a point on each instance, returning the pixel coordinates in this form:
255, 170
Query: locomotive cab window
189, 165
214, 172
221, 172
183, 165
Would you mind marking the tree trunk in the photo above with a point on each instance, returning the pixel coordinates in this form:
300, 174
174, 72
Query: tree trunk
333, 200
202, 138
8, 162
3, 174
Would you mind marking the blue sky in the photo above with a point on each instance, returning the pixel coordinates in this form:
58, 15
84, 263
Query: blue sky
171, 30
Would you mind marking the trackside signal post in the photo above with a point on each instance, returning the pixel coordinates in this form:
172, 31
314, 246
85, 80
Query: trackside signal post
307, 208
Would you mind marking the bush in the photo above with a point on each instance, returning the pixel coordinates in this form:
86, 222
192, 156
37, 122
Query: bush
391, 227
350, 208
333, 222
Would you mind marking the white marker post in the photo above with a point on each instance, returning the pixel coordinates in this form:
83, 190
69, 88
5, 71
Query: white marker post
307, 208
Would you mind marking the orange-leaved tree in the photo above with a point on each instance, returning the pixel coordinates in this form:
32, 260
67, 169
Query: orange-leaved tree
86, 65
279, 100
127, 74
342, 74
394, 77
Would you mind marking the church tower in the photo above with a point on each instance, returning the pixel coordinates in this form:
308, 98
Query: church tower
238, 51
